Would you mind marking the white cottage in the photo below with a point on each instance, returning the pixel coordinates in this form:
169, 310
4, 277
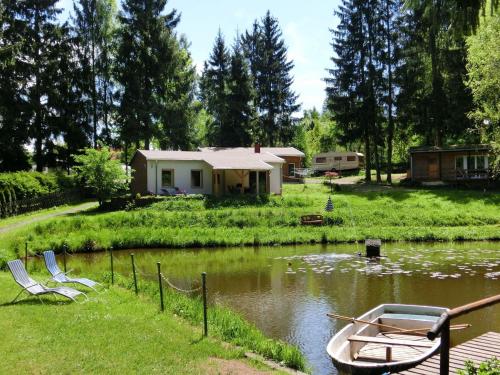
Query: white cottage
218, 172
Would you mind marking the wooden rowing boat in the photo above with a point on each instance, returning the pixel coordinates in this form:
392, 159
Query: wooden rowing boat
389, 338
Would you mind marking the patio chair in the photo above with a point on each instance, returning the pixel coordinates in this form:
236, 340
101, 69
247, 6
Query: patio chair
61, 277
32, 287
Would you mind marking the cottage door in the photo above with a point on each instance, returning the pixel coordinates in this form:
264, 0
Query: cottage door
432, 168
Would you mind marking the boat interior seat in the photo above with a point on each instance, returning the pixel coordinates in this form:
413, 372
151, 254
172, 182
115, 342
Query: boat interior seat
430, 318
388, 341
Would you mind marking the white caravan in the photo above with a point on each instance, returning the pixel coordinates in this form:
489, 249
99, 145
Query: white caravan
337, 161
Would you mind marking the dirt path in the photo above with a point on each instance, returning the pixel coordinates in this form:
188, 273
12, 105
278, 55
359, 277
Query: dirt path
70, 210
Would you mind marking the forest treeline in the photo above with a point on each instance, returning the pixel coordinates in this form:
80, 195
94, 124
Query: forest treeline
403, 73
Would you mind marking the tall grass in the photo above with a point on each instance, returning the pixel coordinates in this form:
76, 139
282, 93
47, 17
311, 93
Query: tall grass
398, 214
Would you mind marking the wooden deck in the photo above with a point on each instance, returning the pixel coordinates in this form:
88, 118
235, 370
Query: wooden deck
478, 350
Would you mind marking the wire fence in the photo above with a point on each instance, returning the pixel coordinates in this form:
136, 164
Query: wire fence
135, 271
186, 291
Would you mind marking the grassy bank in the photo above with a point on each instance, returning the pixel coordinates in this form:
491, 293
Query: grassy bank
118, 332
392, 214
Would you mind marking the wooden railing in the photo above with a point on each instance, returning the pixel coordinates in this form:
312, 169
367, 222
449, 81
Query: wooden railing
472, 174
442, 326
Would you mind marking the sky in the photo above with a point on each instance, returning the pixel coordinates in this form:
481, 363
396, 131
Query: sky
305, 26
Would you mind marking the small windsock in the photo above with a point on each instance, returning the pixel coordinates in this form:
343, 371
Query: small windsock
329, 205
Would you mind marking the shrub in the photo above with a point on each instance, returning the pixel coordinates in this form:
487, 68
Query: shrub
21, 185
489, 367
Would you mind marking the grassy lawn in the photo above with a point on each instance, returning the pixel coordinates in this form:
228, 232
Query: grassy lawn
114, 332
390, 214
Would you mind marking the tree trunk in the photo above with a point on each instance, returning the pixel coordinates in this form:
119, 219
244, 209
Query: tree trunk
377, 163
390, 120
37, 98
368, 164
436, 117
94, 79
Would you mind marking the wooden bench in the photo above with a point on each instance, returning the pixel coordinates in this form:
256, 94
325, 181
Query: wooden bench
311, 220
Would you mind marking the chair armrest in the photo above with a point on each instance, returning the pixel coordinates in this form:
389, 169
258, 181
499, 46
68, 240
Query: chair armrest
62, 273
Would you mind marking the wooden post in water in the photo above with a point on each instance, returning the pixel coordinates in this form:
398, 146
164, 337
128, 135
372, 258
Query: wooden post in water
373, 248
204, 289
133, 271
26, 255
160, 286
111, 264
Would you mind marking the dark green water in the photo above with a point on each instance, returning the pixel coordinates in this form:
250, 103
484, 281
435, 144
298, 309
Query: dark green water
286, 291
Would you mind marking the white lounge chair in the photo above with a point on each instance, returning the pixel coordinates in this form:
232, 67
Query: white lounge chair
60, 276
33, 287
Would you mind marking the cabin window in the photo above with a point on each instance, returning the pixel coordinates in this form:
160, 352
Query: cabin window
480, 162
321, 160
337, 158
196, 178
167, 178
351, 158
291, 169
471, 162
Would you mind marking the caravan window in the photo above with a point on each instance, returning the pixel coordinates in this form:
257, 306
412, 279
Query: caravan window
321, 160
337, 158
351, 158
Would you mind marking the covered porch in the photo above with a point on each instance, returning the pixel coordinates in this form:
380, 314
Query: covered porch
240, 181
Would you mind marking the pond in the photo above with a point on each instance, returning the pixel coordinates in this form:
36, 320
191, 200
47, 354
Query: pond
286, 291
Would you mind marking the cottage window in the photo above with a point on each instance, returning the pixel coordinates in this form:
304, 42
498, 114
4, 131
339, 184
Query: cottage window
351, 158
196, 178
167, 178
321, 160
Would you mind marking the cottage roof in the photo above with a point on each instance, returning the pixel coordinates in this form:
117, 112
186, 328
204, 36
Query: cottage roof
471, 147
225, 159
263, 155
276, 151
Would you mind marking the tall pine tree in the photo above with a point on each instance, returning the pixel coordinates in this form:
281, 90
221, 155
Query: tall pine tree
41, 45
145, 57
271, 71
214, 90
241, 110
94, 28
178, 113
12, 127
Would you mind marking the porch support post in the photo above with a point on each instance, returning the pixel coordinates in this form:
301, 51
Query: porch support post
440, 167
257, 179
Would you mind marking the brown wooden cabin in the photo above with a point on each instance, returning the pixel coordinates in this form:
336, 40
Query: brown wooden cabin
450, 164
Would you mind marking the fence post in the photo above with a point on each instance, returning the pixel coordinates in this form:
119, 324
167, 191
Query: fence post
444, 354
204, 288
26, 255
160, 285
64, 257
133, 271
111, 263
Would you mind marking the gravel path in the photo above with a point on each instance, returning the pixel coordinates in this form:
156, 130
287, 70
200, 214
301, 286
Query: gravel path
70, 210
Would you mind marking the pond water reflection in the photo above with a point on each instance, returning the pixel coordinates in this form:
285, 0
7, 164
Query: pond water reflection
287, 290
